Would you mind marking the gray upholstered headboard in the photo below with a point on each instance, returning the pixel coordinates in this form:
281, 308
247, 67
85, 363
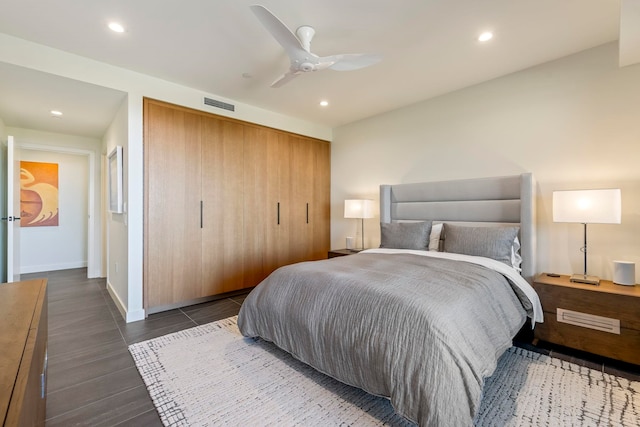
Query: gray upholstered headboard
504, 200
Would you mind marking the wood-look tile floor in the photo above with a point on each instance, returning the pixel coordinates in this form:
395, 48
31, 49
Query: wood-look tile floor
92, 379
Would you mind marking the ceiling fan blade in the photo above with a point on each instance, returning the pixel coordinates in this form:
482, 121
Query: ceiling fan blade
351, 61
285, 78
278, 30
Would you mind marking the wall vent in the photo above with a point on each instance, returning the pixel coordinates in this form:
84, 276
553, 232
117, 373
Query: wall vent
219, 104
591, 321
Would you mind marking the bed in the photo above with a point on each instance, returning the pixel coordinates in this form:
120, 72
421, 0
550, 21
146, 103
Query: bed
421, 325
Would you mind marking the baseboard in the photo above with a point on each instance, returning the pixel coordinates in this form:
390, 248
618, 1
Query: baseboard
95, 273
52, 267
134, 316
128, 316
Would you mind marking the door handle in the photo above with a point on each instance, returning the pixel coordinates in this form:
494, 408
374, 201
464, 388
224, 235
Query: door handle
11, 218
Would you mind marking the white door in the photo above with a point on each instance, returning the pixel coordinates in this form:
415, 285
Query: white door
13, 212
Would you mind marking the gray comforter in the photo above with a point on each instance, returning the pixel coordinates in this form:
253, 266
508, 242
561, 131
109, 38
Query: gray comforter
423, 331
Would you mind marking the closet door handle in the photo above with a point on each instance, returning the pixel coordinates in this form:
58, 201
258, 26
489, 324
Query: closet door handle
201, 214
307, 213
278, 213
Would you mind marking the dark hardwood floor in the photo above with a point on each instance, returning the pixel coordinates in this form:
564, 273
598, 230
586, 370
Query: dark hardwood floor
92, 378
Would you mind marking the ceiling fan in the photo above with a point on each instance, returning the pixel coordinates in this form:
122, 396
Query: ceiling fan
298, 47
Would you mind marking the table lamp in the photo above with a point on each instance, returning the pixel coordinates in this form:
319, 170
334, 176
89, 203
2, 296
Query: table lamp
587, 207
359, 208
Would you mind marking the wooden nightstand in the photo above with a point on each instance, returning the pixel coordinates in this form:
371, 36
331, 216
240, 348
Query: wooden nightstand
603, 320
342, 252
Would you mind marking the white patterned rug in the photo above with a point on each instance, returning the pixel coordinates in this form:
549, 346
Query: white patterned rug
210, 375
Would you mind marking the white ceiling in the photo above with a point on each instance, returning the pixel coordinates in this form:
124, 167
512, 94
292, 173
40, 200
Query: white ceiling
429, 47
28, 96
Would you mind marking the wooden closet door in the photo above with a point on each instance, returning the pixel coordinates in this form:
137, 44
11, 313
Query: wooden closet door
279, 211
223, 206
320, 209
172, 221
301, 232
226, 203
256, 203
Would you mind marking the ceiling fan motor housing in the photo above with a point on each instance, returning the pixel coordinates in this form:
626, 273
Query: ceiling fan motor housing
307, 66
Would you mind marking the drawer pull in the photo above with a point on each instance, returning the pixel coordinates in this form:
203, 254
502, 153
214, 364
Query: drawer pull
43, 375
591, 321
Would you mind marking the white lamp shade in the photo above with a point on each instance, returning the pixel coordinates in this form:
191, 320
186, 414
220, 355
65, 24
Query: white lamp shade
588, 206
358, 208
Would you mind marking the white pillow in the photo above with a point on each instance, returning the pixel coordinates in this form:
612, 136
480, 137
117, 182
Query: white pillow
516, 259
434, 238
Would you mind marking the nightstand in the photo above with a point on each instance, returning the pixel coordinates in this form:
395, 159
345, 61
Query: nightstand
342, 252
603, 320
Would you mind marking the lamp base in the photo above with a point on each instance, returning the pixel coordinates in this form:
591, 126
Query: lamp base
583, 278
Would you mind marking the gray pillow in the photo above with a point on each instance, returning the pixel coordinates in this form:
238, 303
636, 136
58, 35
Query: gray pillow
489, 242
405, 235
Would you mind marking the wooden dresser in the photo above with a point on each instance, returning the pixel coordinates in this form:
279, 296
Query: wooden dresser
23, 352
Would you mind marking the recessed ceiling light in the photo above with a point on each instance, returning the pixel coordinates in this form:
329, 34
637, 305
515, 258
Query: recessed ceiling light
56, 113
486, 36
114, 26
324, 103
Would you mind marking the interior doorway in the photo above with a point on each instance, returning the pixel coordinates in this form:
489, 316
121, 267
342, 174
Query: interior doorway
90, 224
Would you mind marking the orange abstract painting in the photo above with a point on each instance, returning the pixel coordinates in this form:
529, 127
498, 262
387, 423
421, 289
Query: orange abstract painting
38, 194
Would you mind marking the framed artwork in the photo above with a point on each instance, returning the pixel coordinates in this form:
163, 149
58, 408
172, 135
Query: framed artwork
38, 194
115, 179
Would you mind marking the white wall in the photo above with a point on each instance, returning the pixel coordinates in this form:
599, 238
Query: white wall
116, 224
87, 150
574, 123
64, 246
3, 200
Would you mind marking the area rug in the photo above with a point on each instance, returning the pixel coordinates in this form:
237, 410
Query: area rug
210, 375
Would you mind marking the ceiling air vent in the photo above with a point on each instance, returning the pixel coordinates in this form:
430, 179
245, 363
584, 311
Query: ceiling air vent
219, 104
